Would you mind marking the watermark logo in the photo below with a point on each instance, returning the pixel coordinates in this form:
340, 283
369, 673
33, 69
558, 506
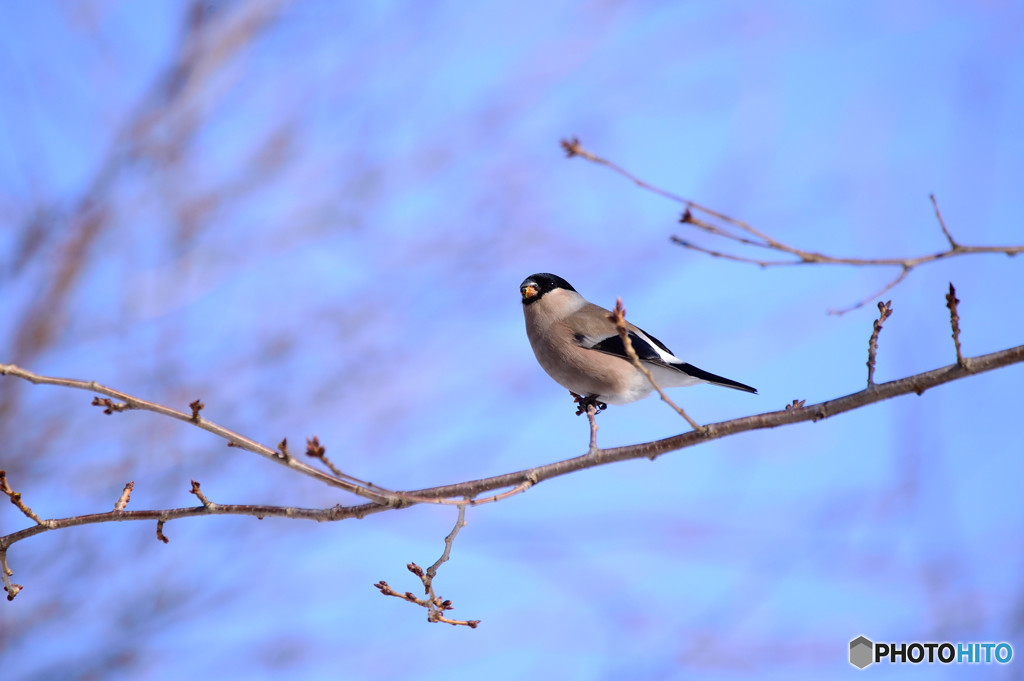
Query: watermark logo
864, 652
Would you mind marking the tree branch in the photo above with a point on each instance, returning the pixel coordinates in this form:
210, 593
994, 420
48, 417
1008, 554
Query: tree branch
954, 320
523, 479
738, 231
464, 494
128, 402
879, 392
435, 605
884, 310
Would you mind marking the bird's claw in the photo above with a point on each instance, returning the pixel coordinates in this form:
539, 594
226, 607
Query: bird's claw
582, 403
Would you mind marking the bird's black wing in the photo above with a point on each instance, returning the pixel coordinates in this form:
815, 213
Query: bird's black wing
613, 345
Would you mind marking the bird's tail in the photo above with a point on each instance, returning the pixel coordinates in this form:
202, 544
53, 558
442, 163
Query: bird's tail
691, 370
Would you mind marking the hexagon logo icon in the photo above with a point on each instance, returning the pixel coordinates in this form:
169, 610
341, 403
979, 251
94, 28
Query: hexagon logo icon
861, 652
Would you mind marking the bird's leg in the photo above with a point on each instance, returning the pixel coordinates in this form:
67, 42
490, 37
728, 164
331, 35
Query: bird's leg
583, 402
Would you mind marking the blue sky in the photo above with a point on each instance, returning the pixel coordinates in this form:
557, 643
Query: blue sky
324, 232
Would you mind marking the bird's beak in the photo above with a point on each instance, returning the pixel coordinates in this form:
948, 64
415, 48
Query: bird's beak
528, 291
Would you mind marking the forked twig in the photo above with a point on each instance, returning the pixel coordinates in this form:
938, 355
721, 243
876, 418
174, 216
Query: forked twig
117, 401
435, 605
737, 231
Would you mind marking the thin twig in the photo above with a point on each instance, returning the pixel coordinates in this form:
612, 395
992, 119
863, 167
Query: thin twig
460, 522
15, 498
207, 504
738, 231
884, 310
618, 316
573, 147
592, 417
518, 489
126, 493
10, 587
317, 451
128, 402
942, 223
435, 605
864, 301
954, 321
414, 498
735, 258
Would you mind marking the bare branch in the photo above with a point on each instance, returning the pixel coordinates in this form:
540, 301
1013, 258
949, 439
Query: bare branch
465, 493
592, 417
10, 587
126, 494
518, 489
460, 522
884, 310
864, 301
127, 402
739, 232
317, 451
163, 515
524, 479
942, 223
160, 531
573, 147
15, 498
210, 506
435, 605
917, 383
110, 406
729, 256
954, 321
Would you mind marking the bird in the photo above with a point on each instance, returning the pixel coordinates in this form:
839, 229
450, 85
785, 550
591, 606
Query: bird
578, 344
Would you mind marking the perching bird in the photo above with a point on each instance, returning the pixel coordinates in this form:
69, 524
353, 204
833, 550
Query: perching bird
579, 346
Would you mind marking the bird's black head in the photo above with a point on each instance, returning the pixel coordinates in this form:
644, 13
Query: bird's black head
535, 286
